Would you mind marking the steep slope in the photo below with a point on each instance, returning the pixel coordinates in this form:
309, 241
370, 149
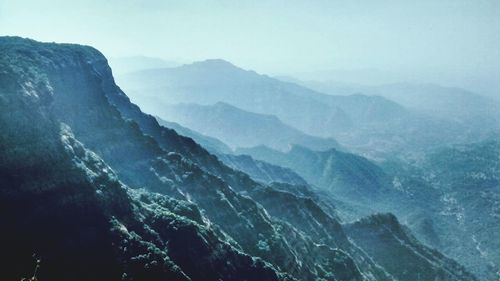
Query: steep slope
469, 178
184, 215
80, 86
211, 144
239, 128
362, 183
384, 239
341, 173
260, 170
461, 184
62, 202
450, 201
140, 162
417, 215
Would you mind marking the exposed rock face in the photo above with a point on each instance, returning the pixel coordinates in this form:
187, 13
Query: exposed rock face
61, 201
101, 191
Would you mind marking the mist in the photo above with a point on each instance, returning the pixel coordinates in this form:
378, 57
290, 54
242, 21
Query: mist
250, 140
454, 43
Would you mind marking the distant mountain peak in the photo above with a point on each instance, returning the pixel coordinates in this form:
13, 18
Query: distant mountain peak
214, 64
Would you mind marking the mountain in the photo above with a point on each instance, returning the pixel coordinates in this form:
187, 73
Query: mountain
212, 81
370, 125
239, 128
447, 102
212, 144
460, 185
386, 227
479, 114
99, 190
449, 200
335, 79
259, 170
469, 178
344, 174
63, 202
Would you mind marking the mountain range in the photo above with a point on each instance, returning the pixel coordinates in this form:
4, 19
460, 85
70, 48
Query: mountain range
100, 191
449, 199
441, 102
370, 125
400, 128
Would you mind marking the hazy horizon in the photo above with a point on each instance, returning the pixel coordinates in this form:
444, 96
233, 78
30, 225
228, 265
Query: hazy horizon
454, 43
249, 140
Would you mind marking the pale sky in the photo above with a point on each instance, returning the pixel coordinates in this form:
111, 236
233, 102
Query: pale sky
428, 38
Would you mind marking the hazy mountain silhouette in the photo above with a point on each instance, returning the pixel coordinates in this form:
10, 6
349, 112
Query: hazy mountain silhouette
239, 128
371, 125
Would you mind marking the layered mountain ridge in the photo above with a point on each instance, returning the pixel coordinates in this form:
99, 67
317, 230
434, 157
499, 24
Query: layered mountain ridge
368, 124
239, 128
100, 190
449, 199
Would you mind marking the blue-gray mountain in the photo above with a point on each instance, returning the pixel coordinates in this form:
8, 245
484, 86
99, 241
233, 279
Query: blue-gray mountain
239, 128
481, 114
209, 143
341, 173
63, 202
469, 178
100, 191
371, 125
259, 170
450, 199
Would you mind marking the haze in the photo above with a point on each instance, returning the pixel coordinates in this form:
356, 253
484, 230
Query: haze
455, 43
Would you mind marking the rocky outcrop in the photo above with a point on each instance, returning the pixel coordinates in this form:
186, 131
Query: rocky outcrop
64, 203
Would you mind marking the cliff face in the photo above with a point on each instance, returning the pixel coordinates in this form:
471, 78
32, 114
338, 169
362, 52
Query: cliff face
99, 190
64, 203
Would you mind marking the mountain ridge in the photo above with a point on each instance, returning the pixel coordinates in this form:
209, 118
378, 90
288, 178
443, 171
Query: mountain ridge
240, 128
177, 191
371, 125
